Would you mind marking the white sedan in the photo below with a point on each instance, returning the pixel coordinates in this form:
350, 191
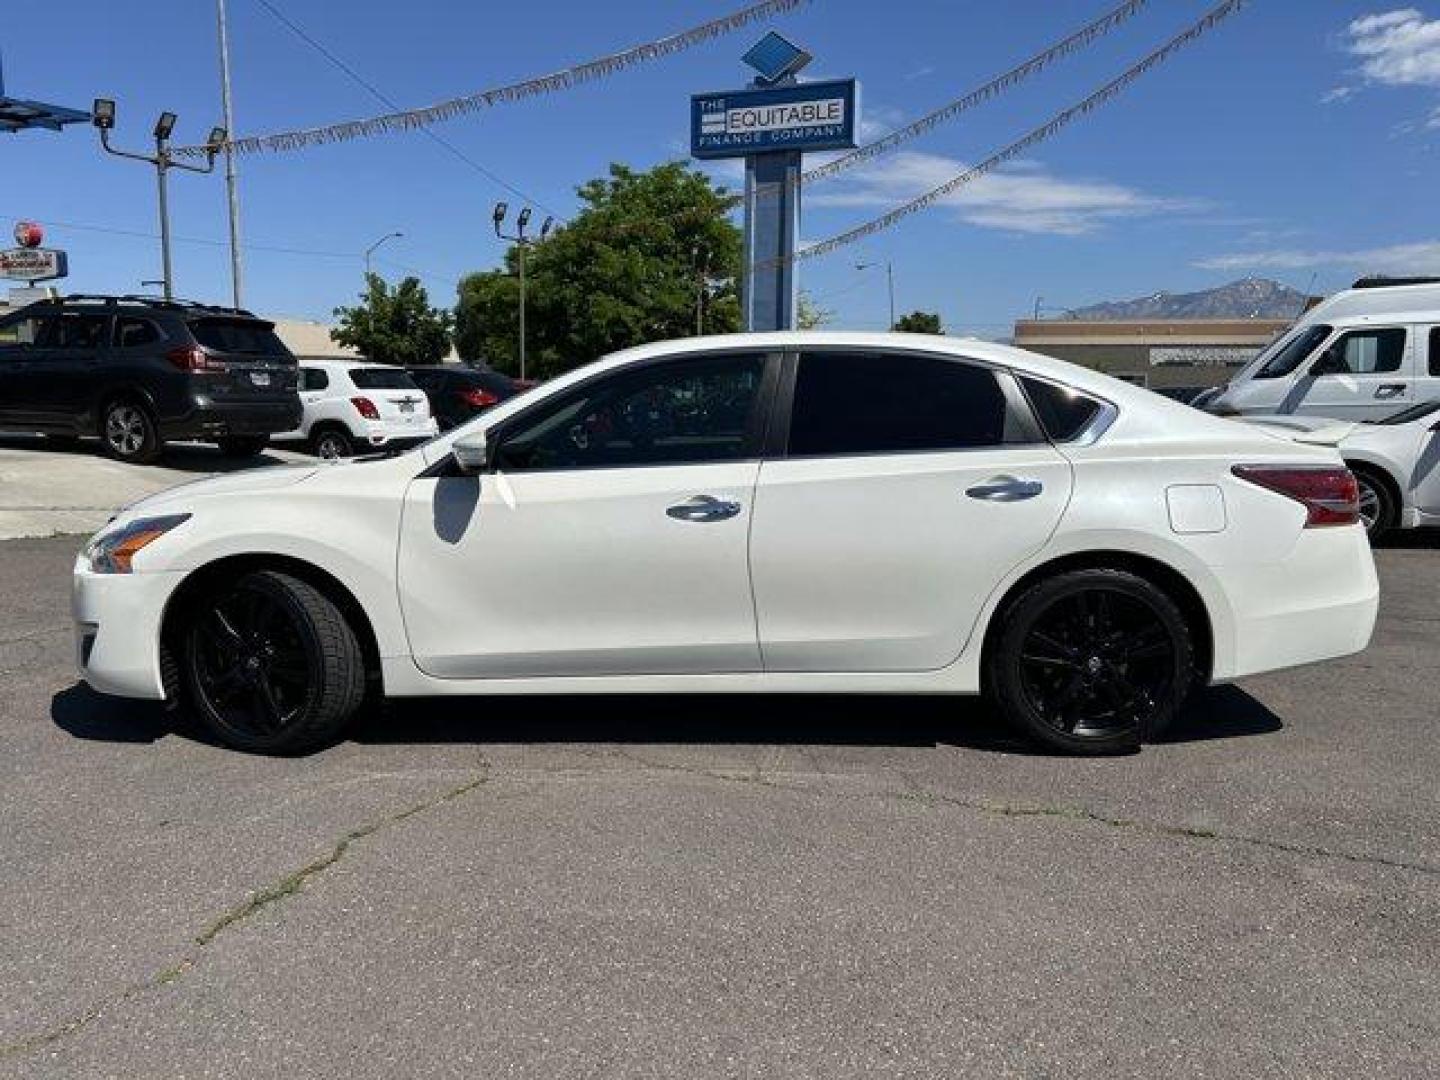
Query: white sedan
1395, 460
790, 513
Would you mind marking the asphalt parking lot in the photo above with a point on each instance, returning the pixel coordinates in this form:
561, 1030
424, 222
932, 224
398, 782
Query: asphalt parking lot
759, 887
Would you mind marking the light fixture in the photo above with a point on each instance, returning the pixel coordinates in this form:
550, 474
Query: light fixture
218, 135
102, 113
501, 209
523, 220
164, 126
545, 228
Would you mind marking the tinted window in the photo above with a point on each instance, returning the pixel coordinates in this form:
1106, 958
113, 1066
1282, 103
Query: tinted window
678, 412
245, 337
1293, 353
427, 379
874, 403
381, 378
1366, 352
1064, 413
313, 379
76, 330
131, 332
1435, 352
23, 329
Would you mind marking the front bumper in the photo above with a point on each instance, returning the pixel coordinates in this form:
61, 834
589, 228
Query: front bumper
118, 618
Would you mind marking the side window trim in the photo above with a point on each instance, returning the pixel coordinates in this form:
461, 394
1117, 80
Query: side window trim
756, 432
1017, 406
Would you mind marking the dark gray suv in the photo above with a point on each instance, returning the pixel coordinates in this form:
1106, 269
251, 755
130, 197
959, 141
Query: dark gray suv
138, 371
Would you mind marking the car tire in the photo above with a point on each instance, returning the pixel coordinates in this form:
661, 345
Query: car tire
332, 443
271, 665
1091, 662
1378, 511
128, 431
243, 446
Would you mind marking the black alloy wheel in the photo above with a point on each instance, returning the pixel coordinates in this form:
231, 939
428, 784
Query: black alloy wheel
1092, 661
272, 665
333, 443
128, 432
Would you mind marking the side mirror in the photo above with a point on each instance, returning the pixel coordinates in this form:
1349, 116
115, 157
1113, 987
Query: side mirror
472, 453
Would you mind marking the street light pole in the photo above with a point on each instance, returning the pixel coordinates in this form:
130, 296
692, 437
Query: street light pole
371, 250
232, 190
103, 117
890, 283
522, 220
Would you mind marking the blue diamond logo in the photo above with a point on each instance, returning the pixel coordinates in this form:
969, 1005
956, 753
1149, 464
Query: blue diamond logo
775, 57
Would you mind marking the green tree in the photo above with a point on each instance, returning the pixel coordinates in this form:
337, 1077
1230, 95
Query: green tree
647, 254
809, 315
919, 322
394, 326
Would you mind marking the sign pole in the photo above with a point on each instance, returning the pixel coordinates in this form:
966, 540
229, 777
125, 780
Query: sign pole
772, 218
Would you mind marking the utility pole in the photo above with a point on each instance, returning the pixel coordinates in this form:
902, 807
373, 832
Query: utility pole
371, 251
522, 220
232, 191
103, 117
890, 281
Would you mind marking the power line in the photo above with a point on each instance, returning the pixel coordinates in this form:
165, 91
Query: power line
384, 99
564, 79
1055, 124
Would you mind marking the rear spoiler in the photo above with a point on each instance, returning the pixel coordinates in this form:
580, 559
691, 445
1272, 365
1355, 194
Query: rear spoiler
1330, 435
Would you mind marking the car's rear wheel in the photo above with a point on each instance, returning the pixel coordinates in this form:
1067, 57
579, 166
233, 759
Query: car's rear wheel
1091, 661
272, 665
1378, 512
333, 443
243, 446
129, 432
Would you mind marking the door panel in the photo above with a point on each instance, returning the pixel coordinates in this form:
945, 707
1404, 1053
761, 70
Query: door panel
1376, 380
882, 563
578, 573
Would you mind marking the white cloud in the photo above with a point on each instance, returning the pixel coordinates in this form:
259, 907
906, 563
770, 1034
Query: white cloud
1397, 48
1024, 197
1414, 258
1339, 94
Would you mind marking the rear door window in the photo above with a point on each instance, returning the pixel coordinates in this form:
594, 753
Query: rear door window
313, 379
381, 378
24, 329
894, 403
132, 332
240, 337
76, 330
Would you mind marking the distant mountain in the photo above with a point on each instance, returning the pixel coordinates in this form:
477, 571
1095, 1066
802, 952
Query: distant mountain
1252, 298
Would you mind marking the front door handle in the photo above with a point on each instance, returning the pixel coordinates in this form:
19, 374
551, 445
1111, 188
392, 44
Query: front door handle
1006, 489
704, 508
1389, 390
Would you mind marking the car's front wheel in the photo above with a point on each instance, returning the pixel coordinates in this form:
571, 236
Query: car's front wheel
1378, 512
129, 432
1091, 661
272, 665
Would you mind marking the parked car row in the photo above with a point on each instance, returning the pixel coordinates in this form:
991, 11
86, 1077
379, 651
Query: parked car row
139, 372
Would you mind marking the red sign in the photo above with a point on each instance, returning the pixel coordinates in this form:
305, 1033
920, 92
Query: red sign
28, 234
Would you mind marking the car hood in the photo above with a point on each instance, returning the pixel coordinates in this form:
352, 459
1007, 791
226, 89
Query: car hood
271, 478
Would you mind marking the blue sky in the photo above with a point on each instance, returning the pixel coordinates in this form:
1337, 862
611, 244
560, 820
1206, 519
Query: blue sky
1298, 141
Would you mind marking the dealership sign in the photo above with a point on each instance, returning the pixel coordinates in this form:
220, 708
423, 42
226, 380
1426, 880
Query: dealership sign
33, 264
809, 116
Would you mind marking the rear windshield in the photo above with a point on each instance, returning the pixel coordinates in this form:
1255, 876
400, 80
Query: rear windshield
243, 337
500, 385
1293, 353
381, 378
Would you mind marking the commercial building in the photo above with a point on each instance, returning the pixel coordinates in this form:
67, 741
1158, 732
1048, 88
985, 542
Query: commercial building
1160, 354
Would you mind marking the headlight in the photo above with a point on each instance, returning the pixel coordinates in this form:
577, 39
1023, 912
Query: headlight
111, 552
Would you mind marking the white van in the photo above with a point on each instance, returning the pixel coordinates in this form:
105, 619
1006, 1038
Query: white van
1362, 354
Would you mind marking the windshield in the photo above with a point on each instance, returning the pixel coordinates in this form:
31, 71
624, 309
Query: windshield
1413, 413
1292, 353
380, 378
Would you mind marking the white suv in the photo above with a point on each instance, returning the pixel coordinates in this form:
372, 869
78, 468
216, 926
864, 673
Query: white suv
352, 406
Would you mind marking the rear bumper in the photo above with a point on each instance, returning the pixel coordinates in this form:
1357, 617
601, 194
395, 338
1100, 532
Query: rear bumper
1320, 603
209, 419
389, 435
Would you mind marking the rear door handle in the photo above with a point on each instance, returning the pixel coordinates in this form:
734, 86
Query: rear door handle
1006, 489
704, 508
1389, 390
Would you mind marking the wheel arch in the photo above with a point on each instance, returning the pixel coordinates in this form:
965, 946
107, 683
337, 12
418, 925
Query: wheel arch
1381, 472
1159, 573
205, 578
122, 391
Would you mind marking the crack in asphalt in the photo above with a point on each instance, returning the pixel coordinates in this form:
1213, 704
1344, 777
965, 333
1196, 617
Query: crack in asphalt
257, 901
917, 793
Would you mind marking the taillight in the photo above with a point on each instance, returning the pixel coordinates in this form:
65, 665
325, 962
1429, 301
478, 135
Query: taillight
477, 398
366, 408
1330, 495
193, 358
